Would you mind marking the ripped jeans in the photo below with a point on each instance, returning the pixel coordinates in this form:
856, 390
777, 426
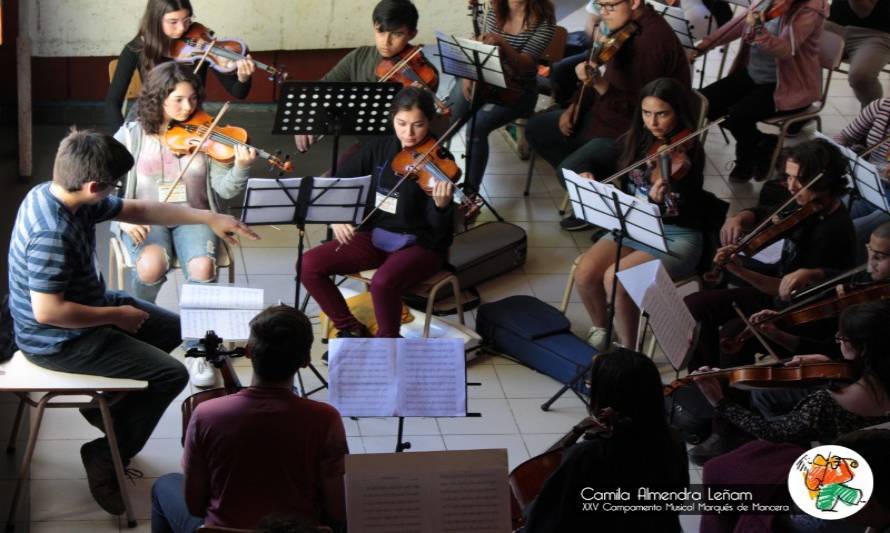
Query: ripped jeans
185, 242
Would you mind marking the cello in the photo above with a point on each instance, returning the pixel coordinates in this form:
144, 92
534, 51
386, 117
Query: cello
220, 359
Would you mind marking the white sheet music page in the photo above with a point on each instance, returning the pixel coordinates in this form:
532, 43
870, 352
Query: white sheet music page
224, 309
271, 201
432, 377
362, 376
428, 492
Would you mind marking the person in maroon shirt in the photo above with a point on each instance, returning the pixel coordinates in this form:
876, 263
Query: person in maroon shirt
262, 451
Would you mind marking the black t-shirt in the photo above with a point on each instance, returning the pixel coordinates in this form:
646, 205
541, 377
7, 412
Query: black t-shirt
878, 19
415, 212
822, 241
128, 63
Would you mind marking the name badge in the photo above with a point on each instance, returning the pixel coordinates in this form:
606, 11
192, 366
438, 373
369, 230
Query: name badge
387, 204
177, 197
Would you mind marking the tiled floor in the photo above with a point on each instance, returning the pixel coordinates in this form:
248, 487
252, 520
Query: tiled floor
508, 399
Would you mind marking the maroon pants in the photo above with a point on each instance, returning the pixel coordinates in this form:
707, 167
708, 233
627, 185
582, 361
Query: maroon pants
396, 273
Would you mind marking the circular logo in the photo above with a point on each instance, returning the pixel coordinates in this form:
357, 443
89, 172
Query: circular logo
830, 482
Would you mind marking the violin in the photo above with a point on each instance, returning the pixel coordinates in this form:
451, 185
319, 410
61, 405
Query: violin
223, 53
776, 9
824, 307
429, 163
411, 69
601, 52
182, 137
673, 163
775, 376
769, 231
222, 361
527, 479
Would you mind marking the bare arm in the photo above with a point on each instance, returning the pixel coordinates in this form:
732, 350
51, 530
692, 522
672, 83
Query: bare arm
146, 212
765, 284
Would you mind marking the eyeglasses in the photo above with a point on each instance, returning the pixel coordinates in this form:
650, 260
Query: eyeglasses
608, 8
102, 187
838, 338
877, 255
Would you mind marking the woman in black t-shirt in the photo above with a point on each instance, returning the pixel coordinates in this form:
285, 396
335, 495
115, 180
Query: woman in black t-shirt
406, 238
164, 21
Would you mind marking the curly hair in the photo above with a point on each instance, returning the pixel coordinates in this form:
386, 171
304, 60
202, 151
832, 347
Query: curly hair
158, 85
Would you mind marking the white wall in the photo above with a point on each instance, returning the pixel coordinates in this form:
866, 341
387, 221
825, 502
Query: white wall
102, 27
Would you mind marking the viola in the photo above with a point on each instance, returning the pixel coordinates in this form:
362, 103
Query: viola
825, 307
411, 69
769, 231
775, 376
183, 137
429, 163
674, 163
601, 52
527, 479
222, 55
222, 361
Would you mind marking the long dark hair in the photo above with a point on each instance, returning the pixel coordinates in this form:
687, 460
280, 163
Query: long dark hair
865, 327
154, 43
637, 140
815, 156
158, 85
536, 12
629, 383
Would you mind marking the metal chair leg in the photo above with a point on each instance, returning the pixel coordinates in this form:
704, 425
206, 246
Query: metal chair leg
531, 171
26, 460
16, 425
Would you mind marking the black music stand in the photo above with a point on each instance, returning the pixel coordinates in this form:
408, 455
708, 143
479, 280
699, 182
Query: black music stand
334, 108
471, 60
625, 216
683, 27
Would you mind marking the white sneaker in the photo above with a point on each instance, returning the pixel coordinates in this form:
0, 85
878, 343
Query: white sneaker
201, 373
596, 337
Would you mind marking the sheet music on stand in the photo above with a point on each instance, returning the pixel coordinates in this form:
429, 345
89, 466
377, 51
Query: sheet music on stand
866, 177
331, 201
458, 56
651, 288
594, 202
398, 377
676, 19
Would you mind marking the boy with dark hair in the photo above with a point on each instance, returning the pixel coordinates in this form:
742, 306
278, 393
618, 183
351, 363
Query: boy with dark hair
64, 318
395, 24
262, 451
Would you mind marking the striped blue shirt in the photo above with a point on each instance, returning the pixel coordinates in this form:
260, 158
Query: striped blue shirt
52, 250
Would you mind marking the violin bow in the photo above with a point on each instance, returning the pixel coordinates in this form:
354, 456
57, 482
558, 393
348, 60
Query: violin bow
191, 158
754, 330
826, 284
768, 220
874, 147
207, 49
594, 49
671, 146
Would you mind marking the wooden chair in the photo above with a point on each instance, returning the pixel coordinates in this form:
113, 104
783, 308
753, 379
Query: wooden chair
430, 286
831, 53
132, 89
119, 261
21, 377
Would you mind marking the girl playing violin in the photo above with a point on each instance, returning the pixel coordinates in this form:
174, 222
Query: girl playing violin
407, 237
164, 21
823, 415
172, 93
665, 110
776, 72
522, 30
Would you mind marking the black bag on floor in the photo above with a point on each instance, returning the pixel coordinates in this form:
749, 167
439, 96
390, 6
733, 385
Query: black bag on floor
537, 335
476, 255
690, 413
